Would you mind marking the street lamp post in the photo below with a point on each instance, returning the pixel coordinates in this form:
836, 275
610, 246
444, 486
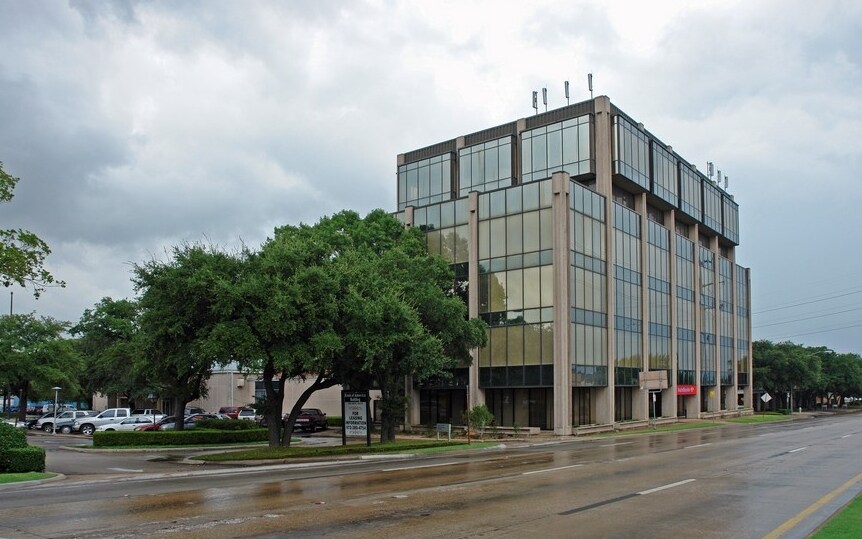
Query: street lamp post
56, 401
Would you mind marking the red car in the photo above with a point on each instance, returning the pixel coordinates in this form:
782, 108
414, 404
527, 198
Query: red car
230, 411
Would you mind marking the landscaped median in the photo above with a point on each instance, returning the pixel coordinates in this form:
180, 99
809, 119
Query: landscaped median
209, 432
355, 450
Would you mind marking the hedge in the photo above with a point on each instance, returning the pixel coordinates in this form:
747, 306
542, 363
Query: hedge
174, 437
227, 424
22, 459
12, 437
333, 421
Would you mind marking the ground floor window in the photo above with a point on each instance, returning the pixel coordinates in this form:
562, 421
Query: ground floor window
623, 399
525, 407
583, 402
442, 406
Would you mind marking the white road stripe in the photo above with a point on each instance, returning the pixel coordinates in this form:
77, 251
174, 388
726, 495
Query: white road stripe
614, 445
847, 435
126, 470
797, 449
698, 445
665, 487
423, 466
552, 469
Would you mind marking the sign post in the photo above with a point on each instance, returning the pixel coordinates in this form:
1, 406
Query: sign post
356, 415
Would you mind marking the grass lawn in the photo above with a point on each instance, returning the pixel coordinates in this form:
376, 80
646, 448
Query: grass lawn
845, 524
413, 446
18, 477
759, 418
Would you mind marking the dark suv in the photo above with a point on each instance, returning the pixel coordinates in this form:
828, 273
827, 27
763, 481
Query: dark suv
311, 419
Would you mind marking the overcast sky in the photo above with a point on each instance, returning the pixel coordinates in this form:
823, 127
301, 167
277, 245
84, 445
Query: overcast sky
135, 126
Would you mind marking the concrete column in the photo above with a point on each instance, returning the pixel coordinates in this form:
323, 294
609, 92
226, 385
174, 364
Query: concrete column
698, 322
602, 139
641, 400
670, 401
562, 305
475, 396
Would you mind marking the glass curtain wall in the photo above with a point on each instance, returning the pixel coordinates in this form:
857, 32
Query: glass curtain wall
425, 182
658, 271
731, 219
485, 167
516, 287
690, 197
447, 234
711, 206
588, 349
563, 146
631, 152
628, 322
708, 329
664, 169
685, 330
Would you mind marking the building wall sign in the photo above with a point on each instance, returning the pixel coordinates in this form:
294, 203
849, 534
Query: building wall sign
686, 389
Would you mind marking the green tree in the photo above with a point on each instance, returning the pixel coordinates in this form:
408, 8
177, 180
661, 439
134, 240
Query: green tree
22, 253
180, 325
842, 377
35, 356
401, 315
106, 341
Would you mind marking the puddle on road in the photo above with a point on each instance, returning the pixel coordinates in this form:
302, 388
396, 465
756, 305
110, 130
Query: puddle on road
166, 458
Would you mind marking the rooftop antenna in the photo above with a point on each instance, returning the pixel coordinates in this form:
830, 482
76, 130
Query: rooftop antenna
725, 182
566, 86
536, 101
710, 169
590, 83
719, 178
545, 98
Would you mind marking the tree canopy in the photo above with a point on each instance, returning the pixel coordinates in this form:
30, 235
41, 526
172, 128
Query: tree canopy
22, 253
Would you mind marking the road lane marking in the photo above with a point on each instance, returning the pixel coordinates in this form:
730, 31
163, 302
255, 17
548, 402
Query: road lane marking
698, 445
622, 498
808, 511
614, 445
797, 449
665, 487
126, 470
847, 436
552, 469
421, 466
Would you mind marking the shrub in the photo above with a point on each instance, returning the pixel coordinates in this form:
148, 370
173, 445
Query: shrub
22, 459
334, 421
11, 437
481, 417
227, 424
174, 437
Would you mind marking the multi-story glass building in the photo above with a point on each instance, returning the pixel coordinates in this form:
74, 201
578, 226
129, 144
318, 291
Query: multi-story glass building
604, 264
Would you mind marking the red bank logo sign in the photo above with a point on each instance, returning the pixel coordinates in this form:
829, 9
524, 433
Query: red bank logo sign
684, 389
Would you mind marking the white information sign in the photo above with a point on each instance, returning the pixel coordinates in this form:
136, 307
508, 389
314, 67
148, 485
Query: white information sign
355, 413
766, 397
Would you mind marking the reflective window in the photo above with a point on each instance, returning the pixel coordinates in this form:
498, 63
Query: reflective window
731, 218
690, 191
664, 180
558, 147
425, 182
485, 167
631, 152
711, 206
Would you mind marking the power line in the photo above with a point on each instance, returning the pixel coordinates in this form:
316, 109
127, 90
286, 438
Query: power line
788, 306
806, 318
828, 330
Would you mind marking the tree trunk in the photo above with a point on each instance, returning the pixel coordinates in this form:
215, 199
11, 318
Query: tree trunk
273, 403
23, 396
393, 409
179, 413
290, 422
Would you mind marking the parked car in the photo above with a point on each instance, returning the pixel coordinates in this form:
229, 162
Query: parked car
247, 414
64, 426
169, 423
31, 423
158, 424
191, 410
149, 412
230, 411
310, 419
46, 422
130, 423
87, 425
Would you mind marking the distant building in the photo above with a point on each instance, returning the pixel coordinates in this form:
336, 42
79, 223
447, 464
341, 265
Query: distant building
603, 262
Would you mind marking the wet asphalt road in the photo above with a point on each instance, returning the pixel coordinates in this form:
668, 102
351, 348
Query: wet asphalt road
734, 481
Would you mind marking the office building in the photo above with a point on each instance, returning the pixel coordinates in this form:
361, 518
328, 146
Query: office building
604, 264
